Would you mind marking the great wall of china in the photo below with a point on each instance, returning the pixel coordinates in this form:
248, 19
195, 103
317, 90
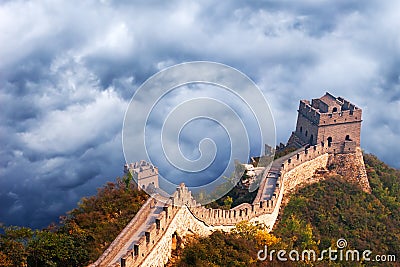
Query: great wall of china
147, 239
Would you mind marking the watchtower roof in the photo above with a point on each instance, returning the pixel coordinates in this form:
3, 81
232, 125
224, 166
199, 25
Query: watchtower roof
329, 103
329, 99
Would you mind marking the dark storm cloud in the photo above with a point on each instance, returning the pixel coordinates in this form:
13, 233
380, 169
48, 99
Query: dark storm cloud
68, 70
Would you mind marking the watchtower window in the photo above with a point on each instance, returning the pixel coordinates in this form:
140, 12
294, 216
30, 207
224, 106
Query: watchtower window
334, 109
301, 129
306, 132
312, 139
329, 141
348, 138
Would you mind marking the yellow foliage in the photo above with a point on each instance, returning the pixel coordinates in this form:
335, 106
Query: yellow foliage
4, 260
264, 238
257, 232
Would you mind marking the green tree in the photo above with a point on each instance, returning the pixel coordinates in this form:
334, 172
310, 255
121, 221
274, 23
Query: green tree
228, 202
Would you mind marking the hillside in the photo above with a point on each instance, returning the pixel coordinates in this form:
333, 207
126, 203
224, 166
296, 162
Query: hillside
315, 218
81, 236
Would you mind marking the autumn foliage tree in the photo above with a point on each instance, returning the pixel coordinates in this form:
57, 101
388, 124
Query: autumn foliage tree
81, 236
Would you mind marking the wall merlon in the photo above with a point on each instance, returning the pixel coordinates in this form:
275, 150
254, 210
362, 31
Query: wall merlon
167, 211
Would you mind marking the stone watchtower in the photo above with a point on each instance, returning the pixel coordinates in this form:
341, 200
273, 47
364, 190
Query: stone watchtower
330, 121
144, 174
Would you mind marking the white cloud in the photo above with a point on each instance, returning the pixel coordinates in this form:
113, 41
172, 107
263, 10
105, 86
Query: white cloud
66, 131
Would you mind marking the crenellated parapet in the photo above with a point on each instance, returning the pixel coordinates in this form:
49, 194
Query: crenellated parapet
308, 153
183, 197
149, 237
220, 217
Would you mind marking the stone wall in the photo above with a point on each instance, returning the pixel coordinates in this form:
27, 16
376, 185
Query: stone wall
156, 234
304, 156
155, 247
245, 211
269, 219
182, 214
338, 132
183, 222
303, 173
351, 167
121, 239
306, 129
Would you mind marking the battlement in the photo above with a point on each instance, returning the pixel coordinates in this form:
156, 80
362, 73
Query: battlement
312, 152
140, 249
309, 111
329, 110
183, 196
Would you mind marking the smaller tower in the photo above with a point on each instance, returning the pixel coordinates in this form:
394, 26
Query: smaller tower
328, 120
144, 174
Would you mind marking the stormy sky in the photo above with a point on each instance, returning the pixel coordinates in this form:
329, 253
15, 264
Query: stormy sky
69, 68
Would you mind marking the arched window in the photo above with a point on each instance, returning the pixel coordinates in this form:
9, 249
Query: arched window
306, 132
334, 109
329, 141
347, 138
301, 129
312, 139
